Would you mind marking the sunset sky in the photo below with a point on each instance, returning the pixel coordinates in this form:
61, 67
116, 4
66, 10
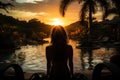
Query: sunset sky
46, 11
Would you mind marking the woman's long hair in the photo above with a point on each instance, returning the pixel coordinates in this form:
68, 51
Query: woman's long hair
59, 39
59, 36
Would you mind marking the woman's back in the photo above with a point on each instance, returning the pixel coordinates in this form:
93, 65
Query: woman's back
59, 59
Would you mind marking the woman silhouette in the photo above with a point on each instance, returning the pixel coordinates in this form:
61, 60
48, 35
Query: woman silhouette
59, 56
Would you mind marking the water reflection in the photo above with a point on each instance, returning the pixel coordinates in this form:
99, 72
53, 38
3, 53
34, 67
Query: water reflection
18, 58
32, 58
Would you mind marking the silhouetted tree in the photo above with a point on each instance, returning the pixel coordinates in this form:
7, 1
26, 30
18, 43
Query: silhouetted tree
22, 32
89, 7
115, 10
5, 6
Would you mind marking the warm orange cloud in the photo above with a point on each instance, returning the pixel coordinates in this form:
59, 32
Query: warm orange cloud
45, 10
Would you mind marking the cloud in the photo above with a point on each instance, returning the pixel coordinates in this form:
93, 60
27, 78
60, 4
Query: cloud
42, 10
36, 1
42, 14
22, 14
4, 0
36, 5
28, 1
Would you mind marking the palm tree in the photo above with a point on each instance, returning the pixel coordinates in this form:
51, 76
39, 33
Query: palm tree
117, 5
115, 10
89, 7
5, 6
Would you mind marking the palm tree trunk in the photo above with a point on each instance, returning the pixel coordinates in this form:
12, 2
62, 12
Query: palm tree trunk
90, 36
90, 21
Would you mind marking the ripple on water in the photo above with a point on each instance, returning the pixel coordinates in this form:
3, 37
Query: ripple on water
35, 57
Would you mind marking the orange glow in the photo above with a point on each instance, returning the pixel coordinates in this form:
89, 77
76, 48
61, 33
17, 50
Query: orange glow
45, 10
56, 22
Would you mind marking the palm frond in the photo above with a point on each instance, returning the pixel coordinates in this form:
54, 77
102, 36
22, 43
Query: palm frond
84, 11
94, 6
63, 6
5, 6
104, 5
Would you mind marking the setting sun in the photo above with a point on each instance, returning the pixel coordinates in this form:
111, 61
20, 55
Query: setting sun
57, 21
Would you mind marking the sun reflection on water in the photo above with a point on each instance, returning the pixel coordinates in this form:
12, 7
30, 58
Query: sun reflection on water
35, 60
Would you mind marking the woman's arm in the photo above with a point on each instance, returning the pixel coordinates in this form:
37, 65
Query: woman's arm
71, 60
48, 60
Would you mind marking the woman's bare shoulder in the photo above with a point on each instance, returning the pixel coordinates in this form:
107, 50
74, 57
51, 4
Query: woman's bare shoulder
69, 46
49, 47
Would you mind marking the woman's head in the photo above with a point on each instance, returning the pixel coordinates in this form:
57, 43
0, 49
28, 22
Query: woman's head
59, 36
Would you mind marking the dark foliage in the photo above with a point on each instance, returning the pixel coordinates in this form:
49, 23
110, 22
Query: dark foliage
16, 32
